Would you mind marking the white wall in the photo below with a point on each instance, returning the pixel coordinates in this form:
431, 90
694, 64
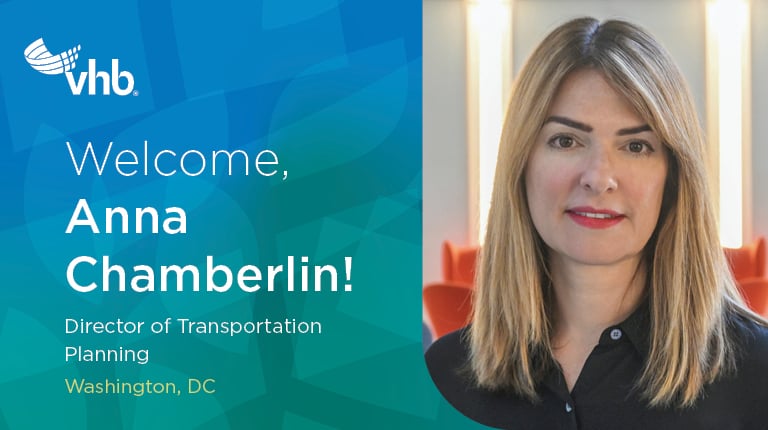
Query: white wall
759, 118
445, 130
678, 25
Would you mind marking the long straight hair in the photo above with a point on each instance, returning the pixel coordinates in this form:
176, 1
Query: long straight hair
689, 285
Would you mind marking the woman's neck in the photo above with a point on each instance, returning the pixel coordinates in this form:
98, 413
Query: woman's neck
589, 298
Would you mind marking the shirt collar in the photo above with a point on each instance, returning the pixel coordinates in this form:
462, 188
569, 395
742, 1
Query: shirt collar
637, 328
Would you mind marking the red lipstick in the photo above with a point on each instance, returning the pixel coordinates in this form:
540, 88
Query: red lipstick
587, 216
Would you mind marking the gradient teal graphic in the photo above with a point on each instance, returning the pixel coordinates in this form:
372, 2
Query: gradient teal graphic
332, 87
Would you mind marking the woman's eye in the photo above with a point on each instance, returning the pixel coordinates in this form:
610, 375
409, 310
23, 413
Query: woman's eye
562, 142
638, 147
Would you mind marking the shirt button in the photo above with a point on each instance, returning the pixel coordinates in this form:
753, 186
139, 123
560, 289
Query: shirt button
568, 407
615, 334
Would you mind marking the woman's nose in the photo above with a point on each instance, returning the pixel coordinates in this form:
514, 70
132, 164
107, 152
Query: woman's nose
599, 174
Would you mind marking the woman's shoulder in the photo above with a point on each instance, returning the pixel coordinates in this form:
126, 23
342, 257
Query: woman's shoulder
742, 390
751, 336
448, 365
447, 361
749, 382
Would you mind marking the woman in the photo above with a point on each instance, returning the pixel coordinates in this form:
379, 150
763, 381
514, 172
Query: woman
604, 300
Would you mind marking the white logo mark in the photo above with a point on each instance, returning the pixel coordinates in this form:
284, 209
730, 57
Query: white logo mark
43, 61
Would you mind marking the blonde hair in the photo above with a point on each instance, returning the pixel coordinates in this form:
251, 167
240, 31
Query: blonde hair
689, 285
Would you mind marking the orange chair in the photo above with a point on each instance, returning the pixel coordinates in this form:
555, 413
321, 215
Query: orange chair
748, 261
755, 292
748, 265
448, 306
459, 263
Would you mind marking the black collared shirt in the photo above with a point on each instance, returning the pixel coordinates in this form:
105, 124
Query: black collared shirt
604, 397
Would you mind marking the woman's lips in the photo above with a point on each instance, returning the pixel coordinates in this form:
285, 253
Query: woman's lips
594, 218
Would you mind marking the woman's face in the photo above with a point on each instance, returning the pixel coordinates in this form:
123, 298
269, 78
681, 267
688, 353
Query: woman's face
595, 178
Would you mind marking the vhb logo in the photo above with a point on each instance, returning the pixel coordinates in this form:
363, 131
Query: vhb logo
43, 61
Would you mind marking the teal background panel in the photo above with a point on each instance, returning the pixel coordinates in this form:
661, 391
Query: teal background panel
334, 89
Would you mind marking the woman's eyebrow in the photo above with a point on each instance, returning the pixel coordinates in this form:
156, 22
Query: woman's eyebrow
570, 123
633, 130
588, 128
